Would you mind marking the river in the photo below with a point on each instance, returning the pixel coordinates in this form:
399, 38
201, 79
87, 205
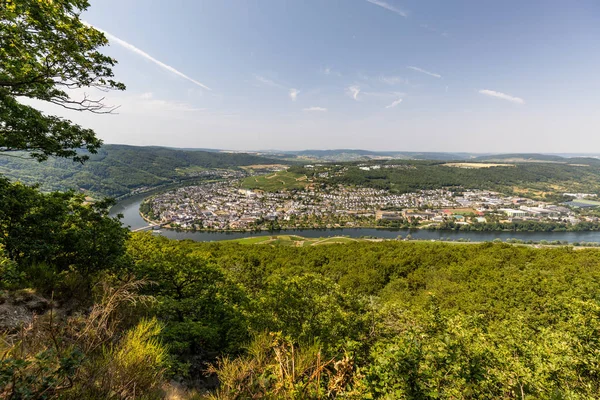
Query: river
131, 217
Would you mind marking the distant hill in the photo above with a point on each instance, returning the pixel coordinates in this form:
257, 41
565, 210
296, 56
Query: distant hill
521, 157
440, 156
118, 169
535, 157
340, 155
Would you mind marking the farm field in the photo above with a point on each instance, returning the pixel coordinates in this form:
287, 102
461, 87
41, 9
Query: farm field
461, 211
584, 203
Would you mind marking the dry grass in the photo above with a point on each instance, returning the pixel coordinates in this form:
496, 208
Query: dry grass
274, 367
530, 192
99, 353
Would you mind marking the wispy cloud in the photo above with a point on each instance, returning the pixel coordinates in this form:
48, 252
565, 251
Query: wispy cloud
148, 57
392, 80
389, 7
394, 103
503, 96
294, 94
152, 104
383, 95
353, 92
421, 70
330, 71
319, 109
269, 82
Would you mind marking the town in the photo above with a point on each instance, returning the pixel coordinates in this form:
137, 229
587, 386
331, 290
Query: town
224, 205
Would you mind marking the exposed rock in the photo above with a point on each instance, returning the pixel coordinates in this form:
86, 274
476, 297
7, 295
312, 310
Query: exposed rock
18, 309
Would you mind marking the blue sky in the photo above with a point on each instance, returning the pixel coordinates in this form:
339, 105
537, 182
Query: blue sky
481, 76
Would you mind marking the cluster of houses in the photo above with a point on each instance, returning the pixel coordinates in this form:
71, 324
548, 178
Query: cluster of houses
479, 206
223, 205
367, 167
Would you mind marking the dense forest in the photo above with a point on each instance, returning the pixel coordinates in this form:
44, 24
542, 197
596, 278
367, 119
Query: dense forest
116, 170
133, 313
531, 178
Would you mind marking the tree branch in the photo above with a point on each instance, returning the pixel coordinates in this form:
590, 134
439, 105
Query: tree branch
86, 104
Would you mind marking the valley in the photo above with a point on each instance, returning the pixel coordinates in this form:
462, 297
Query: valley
370, 195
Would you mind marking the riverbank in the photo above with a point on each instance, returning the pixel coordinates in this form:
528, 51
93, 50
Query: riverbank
263, 229
429, 227
300, 241
129, 208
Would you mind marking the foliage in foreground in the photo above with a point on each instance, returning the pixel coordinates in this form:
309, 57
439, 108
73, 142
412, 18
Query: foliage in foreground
91, 355
275, 367
467, 357
414, 320
58, 230
46, 51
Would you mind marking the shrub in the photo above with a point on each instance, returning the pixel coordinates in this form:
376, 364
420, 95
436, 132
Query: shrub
275, 367
85, 356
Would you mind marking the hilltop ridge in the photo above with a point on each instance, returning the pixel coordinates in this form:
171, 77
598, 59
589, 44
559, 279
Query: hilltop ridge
117, 170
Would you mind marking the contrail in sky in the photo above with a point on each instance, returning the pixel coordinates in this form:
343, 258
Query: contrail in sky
502, 96
147, 56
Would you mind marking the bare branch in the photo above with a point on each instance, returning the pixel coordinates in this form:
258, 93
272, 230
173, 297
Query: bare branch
86, 104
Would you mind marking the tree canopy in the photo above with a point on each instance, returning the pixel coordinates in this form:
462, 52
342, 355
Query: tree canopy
46, 52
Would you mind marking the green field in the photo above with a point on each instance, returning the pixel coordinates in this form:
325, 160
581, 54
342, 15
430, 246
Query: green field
587, 202
282, 180
295, 241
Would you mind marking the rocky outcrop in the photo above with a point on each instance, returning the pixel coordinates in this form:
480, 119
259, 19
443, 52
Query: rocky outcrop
18, 308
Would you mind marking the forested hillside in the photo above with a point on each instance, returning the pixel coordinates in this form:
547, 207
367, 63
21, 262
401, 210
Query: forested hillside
339, 155
387, 320
530, 157
535, 178
117, 169
362, 320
